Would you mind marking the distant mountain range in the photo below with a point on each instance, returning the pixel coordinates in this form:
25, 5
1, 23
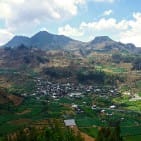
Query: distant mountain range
48, 41
43, 40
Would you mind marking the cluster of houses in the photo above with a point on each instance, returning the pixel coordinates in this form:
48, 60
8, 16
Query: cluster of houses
57, 90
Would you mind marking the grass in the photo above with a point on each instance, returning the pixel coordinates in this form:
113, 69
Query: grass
138, 83
131, 130
92, 131
127, 104
89, 122
8, 71
132, 138
6, 118
111, 68
8, 128
130, 134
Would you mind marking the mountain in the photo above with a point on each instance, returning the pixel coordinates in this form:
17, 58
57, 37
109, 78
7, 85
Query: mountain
43, 40
18, 40
48, 41
101, 39
106, 44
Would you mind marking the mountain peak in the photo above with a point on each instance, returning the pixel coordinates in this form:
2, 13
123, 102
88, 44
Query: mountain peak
100, 39
41, 33
18, 40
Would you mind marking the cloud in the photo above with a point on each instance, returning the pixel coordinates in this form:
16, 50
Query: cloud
26, 16
107, 12
15, 12
125, 30
5, 36
103, 26
22, 12
133, 34
69, 31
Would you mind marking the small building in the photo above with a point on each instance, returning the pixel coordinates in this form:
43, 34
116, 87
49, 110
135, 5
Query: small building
102, 111
93, 107
70, 122
74, 106
112, 107
76, 94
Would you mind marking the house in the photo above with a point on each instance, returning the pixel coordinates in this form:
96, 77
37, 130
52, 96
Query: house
93, 107
74, 106
112, 107
102, 111
76, 94
70, 122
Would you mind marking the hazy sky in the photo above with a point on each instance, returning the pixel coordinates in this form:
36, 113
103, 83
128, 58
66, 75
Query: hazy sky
79, 19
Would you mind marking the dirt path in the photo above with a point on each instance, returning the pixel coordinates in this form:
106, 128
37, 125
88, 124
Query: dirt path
24, 112
84, 135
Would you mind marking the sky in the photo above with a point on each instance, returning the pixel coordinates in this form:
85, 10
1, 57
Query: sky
79, 19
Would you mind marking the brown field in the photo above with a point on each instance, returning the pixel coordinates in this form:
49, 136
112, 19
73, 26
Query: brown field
24, 112
15, 99
20, 121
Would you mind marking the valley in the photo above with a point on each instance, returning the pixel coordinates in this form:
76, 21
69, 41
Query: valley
98, 84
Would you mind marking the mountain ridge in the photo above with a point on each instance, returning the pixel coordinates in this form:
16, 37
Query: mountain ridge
42, 39
99, 39
49, 41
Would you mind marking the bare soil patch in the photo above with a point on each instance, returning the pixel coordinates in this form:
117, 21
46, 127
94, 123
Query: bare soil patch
24, 112
15, 99
20, 121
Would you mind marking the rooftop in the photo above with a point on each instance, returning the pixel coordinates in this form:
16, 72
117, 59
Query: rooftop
70, 122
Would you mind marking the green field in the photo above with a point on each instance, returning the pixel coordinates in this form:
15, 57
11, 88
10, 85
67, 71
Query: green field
132, 138
32, 110
111, 68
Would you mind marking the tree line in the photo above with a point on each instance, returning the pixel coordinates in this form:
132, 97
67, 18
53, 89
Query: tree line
54, 131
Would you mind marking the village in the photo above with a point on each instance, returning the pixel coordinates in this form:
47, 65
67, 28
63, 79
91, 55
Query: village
57, 90
50, 91
71, 101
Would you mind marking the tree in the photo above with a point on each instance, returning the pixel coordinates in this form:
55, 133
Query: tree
109, 134
53, 132
136, 63
116, 58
